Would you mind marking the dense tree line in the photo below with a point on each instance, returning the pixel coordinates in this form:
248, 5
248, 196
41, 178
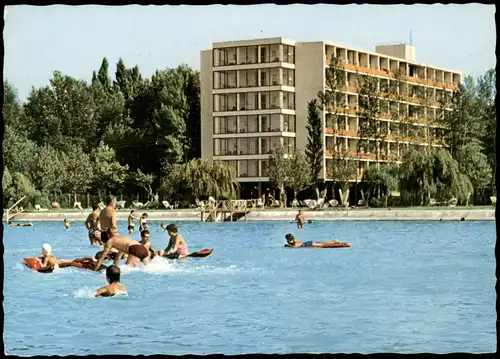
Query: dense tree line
122, 135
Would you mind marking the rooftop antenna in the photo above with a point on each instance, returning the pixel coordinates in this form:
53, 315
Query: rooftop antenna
411, 42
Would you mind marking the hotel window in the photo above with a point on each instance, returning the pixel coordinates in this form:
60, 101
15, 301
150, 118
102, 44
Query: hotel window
225, 147
248, 146
275, 124
329, 122
263, 168
269, 53
249, 101
264, 123
265, 145
249, 124
247, 55
225, 125
289, 144
249, 78
224, 79
289, 100
289, 123
275, 99
289, 54
265, 102
225, 56
248, 168
288, 78
232, 164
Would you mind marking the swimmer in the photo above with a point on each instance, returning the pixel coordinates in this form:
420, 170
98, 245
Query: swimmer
145, 235
114, 286
144, 223
131, 222
176, 243
136, 252
162, 226
10, 224
48, 260
107, 218
66, 223
93, 225
291, 242
300, 219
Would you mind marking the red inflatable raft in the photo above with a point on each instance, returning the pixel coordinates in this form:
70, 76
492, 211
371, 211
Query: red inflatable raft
83, 263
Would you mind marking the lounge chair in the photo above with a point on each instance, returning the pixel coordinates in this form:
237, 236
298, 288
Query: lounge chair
320, 203
334, 203
432, 202
78, 205
55, 205
493, 200
311, 203
200, 204
121, 204
295, 203
260, 203
167, 205
138, 204
39, 208
452, 202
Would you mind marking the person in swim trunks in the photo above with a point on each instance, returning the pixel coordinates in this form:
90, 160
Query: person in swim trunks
114, 286
300, 219
143, 226
136, 252
107, 218
131, 222
176, 243
92, 224
291, 242
145, 235
67, 224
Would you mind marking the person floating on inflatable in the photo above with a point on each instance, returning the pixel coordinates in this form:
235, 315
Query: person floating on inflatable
114, 286
66, 223
48, 260
176, 243
291, 242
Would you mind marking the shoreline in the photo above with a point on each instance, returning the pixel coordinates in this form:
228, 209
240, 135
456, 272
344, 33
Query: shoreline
382, 214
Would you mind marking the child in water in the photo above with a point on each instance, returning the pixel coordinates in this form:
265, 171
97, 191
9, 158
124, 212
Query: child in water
114, 286
66, 223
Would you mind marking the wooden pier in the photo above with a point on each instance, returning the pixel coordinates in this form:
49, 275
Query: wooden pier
226, 211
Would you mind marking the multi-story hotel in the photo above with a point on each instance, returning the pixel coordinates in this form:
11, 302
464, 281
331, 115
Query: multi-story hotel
254, 96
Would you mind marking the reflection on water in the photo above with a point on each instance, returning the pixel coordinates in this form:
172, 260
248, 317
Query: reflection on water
402, 287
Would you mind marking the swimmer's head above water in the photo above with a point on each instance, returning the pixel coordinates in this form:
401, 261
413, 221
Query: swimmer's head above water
290, 238
113, 274
145, 235
172, 229
46, 250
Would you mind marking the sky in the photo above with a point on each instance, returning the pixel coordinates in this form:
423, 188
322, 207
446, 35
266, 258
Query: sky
74, 39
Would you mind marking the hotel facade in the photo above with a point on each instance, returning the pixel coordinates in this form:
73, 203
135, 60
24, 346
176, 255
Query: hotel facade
254, 96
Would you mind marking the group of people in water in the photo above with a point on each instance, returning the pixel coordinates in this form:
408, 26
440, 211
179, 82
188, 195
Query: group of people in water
103, 230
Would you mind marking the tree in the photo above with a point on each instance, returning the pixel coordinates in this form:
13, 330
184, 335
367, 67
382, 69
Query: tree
103, 75
298, 173
314, 146
16, 186
200, 178
383, 179
144, 181
342, 170
108, 172
47, 170
77, 171
278, 169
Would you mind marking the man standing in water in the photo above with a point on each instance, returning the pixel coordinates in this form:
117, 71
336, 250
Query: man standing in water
131, 222
92, 225
114, 286
136, 252
300, 219
107, 218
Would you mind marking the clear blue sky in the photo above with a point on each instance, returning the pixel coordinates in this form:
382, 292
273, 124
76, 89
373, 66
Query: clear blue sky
74, 39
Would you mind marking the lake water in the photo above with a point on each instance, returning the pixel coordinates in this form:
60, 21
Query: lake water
405, 287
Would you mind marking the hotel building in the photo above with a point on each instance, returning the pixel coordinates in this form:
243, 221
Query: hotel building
254, 96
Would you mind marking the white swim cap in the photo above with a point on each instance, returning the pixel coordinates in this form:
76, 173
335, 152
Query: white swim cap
46, 249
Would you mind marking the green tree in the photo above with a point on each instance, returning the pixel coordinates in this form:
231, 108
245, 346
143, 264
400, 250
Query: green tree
47, 171
108, 172
144, 181
298, 172
279, 169
314, 146
77, 171
18, 187
382, 180
342, 170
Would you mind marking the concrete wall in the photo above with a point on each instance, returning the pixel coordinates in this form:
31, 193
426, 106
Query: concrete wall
309, 80
206, 102
402, 51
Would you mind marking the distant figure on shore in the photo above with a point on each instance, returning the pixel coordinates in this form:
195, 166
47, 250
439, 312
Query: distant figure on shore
92, 224
300, 219
136, 252
55, 205
176, 243
66, 223
107, 219
291, 242
144, 222
114, 286
131, 222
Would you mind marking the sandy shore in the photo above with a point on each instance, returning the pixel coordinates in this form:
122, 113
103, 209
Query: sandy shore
391, 214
